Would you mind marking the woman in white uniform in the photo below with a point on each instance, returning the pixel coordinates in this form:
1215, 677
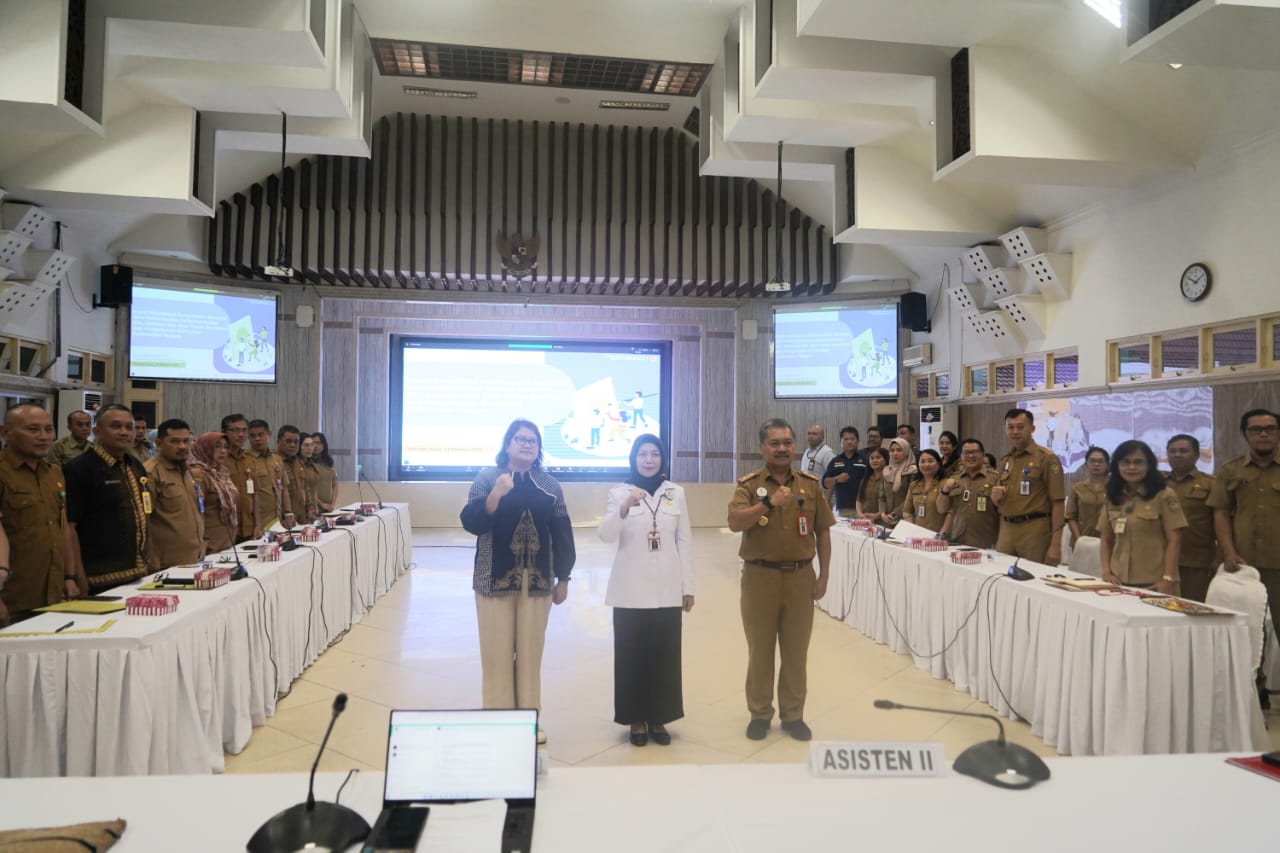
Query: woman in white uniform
650, 585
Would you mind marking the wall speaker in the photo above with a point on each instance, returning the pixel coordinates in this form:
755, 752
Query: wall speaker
115, 287
914, 313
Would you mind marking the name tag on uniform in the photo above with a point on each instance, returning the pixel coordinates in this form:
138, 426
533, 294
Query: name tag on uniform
1024, 487
802, 525
146, 502
964, 496
655, 541
920, 511
872, 758
248, 485
982, 504
1118, 525
200, 498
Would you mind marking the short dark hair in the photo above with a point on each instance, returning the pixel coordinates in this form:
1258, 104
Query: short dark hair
1152, 483
853, 431
873, 428
879, 451
907, 427
78, 412
775, 423
1017, 413
992, 461
981, 447
1257, 413
928, 451
1182, 436
286, 430
114, 407
228, 420
1105, 455
171, 425
259, 423
519, 423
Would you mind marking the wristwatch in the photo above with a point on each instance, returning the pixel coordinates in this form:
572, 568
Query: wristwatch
1168, 579
767, 501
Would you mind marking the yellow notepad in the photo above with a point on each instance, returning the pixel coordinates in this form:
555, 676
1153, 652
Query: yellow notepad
83, 607
96, 630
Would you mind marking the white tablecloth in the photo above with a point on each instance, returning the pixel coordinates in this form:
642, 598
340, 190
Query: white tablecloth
1092, 674
740, 808
170, 694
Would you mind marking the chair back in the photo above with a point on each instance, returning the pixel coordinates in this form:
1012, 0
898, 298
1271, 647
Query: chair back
1242, 590
1086, 556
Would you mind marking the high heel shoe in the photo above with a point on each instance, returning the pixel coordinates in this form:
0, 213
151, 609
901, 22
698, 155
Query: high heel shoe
660, 735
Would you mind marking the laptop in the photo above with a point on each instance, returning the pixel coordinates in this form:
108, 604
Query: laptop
455, 756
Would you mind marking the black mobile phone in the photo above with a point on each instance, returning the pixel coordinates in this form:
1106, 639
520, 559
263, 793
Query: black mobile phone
104, 598
398, 829
1272, 758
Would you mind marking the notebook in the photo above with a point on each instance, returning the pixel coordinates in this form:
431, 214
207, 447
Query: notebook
455, 756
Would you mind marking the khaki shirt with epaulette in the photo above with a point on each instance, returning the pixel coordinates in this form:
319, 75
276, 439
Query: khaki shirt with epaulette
920, 506
33, 512
1198, 540
1041, 468
975, 520
241, 467
1085, 505
1252, 495
176, 527
271, 484
65, 449
1140, 527
300, 496
779, 538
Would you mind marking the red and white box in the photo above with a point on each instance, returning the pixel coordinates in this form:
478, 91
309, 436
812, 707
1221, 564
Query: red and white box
368, 509
309, 534
966, 558
863, 526
151, 604
269, 552
919, 543
212, 578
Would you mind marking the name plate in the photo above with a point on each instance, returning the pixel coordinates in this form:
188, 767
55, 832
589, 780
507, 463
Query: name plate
877, 758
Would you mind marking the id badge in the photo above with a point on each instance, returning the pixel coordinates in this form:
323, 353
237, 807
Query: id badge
248, 485
802, 525
146, 503
920, 511
200, 498
982, 504
964, 496
1118, 526
1024, 487
655, 541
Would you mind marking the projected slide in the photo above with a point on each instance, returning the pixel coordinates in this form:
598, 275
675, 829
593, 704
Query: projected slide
838, 352
202, 333
590, 399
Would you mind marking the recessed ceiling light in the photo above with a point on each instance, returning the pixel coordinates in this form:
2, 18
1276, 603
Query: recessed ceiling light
653, 106
440, 93
1175, 65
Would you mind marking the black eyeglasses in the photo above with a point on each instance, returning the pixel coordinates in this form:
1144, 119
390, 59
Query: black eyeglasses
1262, 430
525, 441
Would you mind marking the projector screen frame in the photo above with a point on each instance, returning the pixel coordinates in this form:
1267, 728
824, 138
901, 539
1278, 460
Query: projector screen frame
192, 287
864, 304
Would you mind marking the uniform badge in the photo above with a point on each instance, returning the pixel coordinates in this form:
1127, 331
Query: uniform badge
764, 521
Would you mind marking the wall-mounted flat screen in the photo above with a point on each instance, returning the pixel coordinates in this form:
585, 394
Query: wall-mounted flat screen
836, 351
207, 333
452, 399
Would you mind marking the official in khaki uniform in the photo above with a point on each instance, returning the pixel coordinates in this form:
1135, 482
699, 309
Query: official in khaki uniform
177, 517
1030, 493
920, 506
970, 515
34, 536
1246, 504
1089, 496
75, 442
1198, 559
270, 478
288, 443
785, 522
240, 465
1141, 524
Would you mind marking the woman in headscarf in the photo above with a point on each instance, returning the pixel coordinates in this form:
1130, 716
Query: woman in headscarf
651, 583
899, 472
217, 494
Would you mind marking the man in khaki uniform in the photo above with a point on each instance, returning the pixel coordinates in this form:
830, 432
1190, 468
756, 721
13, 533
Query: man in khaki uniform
142, 448
1030, 493
270, 478
1198, 558
288, 439
34, 536
236, 428
785, 521
79, 424
1246, 504
971, 515
177, 517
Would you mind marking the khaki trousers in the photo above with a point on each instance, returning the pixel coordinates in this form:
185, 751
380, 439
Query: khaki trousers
1195, 581
1028, 540
513, 630
777, 611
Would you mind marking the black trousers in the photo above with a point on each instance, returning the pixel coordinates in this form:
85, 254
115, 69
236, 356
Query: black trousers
646, 665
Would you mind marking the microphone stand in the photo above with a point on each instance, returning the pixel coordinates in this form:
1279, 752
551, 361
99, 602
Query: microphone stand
330, 826
240, 572
360, 475
996, 762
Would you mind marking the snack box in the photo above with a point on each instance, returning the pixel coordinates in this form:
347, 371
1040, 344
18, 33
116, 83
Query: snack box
151, 604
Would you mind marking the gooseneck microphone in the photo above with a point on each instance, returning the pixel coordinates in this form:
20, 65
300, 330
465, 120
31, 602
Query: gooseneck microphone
240, 572
996, 762
360, 475
312, 824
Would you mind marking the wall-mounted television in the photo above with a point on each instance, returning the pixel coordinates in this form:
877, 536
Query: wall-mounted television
452, 399
219, 334
845, 350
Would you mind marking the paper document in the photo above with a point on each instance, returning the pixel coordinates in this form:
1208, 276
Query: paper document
465, 827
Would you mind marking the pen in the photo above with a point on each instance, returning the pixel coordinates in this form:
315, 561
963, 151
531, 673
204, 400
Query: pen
65, 627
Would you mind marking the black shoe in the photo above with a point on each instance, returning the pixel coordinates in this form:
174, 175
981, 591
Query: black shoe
797, 729
757, 729
639, 738
660, 735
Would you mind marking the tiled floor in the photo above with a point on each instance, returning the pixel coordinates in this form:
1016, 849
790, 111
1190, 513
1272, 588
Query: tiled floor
418, 648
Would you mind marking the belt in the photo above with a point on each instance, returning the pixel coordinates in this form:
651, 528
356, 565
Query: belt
1019, 519
792, 566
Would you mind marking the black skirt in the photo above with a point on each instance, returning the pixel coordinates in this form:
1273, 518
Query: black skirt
646, 665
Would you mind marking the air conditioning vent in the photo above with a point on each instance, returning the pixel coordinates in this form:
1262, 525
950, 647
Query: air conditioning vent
917, 355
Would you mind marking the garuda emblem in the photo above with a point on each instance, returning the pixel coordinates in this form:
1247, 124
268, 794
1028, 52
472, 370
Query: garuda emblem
519, 256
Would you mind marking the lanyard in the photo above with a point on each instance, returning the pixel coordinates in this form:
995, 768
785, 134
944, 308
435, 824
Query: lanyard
653, 513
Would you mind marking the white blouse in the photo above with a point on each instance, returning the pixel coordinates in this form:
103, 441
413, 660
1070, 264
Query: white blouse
644, 578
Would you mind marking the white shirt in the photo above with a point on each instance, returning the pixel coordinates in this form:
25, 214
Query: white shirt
820, 459
642, 578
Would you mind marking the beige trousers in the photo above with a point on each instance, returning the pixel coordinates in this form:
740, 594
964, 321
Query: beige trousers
513, 630
777, 617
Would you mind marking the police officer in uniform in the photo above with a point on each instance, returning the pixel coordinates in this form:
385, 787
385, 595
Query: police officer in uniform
240, 463
177, 517
1246, 504
844, 474
785, 522
33, 524
270, 478
971, 516
1030, 493
1198, 556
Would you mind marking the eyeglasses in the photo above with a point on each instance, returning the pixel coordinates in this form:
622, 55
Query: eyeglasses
525, 441
1262, 430
970, 452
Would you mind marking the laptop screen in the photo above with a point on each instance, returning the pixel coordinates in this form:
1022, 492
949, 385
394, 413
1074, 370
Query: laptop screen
439, 756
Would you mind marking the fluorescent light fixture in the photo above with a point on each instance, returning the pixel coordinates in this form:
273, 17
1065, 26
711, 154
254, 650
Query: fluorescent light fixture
1175, 65
653, 106
1111, 10
460, 94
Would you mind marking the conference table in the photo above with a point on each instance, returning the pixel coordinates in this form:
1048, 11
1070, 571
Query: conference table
1093, 674
118, 694
1122, 803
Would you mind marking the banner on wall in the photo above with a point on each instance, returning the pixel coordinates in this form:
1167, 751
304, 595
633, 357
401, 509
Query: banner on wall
1070, 425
